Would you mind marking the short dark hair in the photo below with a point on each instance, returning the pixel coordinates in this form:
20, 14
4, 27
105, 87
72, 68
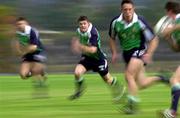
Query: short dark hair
127, 1
82, 18
21, 19
173, 6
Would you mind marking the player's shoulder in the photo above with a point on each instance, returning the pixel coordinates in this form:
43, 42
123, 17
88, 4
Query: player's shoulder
34, 31
114, 18
142, 19
143, 22
93, 29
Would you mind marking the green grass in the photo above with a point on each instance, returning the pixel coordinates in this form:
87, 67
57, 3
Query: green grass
17, 101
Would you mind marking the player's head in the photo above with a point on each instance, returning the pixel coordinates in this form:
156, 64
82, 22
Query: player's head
127, 9
172, 8
83, 23
21, 22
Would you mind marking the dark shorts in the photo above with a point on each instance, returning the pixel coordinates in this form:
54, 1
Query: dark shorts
35, 57
135, 52
99, 66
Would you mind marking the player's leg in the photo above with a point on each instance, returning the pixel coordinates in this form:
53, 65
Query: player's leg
39, 80
175, 93
144, 81
38, 72
25, 69
101, 67
79, 81
118, 90
131, 72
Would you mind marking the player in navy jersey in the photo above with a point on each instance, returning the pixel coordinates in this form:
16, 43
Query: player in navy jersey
88, 43
172, 36
138, 44
32, 51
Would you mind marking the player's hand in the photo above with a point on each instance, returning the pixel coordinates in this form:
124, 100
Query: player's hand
20, 50
75, 45
147, 58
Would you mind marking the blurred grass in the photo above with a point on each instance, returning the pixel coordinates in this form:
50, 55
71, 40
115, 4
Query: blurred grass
17, 101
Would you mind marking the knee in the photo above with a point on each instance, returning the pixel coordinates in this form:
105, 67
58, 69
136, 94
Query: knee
174, 80
77, 73
24, 75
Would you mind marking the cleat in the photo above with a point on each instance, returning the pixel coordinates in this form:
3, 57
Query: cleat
80, 88
130, 108
75, 96
166, 114
165, 76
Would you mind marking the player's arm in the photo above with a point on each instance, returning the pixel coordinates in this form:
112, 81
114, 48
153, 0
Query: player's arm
88, 49
16, 47
112, 42
153, 44
30, 48
172, 43
77, 47
167, 34
151, 39
113, 49
168, 31
93, 43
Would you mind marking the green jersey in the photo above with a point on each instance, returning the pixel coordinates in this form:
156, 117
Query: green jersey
91, 38
29, 36
131, 35
176, 34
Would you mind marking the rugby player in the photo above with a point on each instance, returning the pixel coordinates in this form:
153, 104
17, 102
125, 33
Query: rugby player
32, 51
88, 43
138, 44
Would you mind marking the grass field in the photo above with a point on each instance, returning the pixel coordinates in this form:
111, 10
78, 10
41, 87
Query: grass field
17, 101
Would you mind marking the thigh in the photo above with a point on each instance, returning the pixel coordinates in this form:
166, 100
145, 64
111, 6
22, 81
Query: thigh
25, 67
135, 68
37, 68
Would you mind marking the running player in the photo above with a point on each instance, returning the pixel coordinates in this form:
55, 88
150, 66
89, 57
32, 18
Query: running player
172, 36
138, 44
88, 43
31, 49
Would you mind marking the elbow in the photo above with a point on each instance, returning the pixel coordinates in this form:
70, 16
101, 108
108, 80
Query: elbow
93, 50
33, 48
175, 49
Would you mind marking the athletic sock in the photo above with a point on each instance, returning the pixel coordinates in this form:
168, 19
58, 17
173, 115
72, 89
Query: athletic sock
133, 99
114, 81
79, 84
175, 97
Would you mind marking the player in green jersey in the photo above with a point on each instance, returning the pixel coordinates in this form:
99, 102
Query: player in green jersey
32, 51
138, 44
88, 43
172, 36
